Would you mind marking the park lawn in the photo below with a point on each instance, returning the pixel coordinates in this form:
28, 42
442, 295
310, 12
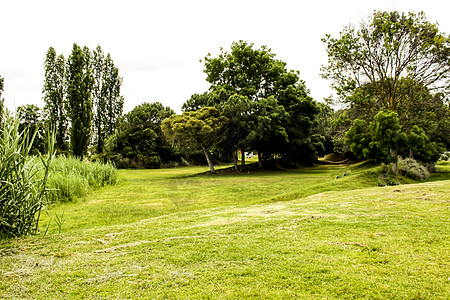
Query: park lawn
141, 194
348, 241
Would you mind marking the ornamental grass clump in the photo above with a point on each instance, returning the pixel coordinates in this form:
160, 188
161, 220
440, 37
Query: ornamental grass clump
23, 180
411, 168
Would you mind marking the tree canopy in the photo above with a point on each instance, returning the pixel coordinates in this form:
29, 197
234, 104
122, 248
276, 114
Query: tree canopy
83, 94
385, 49
393, 68
139, 138
196, 130
268, 106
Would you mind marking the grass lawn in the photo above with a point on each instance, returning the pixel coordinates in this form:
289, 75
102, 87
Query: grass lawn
292, 234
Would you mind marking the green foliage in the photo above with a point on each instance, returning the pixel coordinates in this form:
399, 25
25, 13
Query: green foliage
391, 62
56, 106
196, 130
108, 102
71, 178
23, 180
387, 48
268, 106
413, 169
378, 139
139, 138
80, 82
2, 104
31, 121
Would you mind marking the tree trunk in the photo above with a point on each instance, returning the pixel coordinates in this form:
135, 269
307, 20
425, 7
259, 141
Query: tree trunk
208, 159
411, 153
242, 157
234, 151
259, 159
394, 157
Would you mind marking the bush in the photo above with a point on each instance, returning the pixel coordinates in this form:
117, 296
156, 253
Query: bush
23, 180
409, 167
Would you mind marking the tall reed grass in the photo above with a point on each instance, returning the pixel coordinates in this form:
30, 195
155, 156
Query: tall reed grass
71, 178
28, 183
23, 179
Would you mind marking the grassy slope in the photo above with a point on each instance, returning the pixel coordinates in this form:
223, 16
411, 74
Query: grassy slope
224, 237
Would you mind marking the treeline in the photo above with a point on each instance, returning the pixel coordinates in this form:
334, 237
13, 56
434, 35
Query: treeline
390, 75
82, 102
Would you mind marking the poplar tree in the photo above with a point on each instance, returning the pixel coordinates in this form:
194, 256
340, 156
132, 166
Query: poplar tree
54, 97
108, 102
79, 89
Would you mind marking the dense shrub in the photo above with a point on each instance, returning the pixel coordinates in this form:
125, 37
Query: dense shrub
412, 169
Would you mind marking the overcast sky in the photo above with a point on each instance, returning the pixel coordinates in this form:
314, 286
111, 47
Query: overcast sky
157, 45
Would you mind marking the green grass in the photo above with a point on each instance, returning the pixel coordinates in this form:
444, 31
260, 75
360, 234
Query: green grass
165, 234
140, 194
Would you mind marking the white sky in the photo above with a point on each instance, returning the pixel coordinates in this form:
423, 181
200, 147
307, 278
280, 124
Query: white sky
157, 45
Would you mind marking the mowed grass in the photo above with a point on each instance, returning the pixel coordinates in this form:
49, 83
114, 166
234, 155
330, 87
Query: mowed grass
205, 240
140, 194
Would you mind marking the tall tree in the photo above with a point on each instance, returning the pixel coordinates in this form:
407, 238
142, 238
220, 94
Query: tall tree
277, 103
80, 82
196, 130
386, 48
55, 97
108, 102
391, 62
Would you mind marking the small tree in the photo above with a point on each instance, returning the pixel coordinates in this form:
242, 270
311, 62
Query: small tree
31, 122
378, 139
1, 86
196, 130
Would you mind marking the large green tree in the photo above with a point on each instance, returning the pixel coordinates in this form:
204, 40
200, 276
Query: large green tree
383, 50
139, 138
54, 90
80, 81
196, 130
268, 106
393, 62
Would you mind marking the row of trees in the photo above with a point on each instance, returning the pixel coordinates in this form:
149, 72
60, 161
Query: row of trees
391, 74
82, 95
